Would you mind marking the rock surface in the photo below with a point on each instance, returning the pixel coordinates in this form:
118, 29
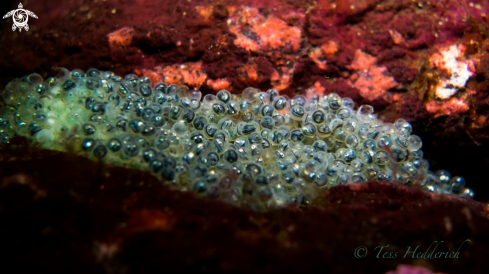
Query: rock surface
385, 53
106, 219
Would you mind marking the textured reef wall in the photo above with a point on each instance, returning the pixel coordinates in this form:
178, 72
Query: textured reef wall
402, 57
57, 222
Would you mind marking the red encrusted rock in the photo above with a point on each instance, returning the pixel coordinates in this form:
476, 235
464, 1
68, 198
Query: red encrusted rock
316, 56
96, 218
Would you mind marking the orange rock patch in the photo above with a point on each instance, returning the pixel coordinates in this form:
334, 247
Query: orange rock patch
283, 78
219, 84
256, 32
205, 11
452, 106
372, 81
248, 72
190, 74
362, 61
121, 37
329, 48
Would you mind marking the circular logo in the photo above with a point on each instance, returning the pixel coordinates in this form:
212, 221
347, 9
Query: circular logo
20, 17
360, 252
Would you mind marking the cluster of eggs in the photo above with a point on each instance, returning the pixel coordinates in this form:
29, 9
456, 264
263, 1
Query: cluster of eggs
255, 149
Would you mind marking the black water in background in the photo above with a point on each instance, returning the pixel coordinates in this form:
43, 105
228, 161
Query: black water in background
8, 5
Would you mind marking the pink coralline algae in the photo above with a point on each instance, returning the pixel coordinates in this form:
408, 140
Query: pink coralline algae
372, 81
256, 32
121, 37
188, 73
